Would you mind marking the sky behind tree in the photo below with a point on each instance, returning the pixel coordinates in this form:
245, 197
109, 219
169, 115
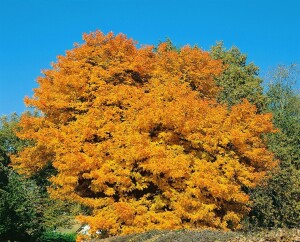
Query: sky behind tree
34, 32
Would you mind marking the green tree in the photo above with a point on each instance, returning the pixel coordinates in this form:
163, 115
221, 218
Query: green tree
283, 100
20, 199
277, 202
26, 211
239, 80
20, 209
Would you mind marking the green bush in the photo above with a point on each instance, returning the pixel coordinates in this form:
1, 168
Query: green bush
277, 203
57, 237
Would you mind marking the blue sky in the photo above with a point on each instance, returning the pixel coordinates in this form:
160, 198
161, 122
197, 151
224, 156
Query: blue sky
34, 32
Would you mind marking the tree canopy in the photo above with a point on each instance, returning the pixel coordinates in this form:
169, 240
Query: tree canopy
239, 79
137, 135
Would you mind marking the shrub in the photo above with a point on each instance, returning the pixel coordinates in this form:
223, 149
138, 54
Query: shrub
57, 237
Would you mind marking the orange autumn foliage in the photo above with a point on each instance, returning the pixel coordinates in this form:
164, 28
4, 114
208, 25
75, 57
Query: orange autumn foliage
136, 135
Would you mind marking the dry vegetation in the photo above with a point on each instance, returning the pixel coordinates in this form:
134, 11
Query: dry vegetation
278, 235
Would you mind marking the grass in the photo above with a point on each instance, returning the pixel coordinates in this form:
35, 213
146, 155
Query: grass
70, 229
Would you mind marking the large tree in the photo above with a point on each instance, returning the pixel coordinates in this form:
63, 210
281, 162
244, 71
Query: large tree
136, 134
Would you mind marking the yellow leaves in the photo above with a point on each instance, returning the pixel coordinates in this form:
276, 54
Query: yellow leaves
32, 159
233, 218
109, 191
125, 212
224, 141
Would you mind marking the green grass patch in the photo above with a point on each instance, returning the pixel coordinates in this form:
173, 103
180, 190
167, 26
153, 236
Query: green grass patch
57, 237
